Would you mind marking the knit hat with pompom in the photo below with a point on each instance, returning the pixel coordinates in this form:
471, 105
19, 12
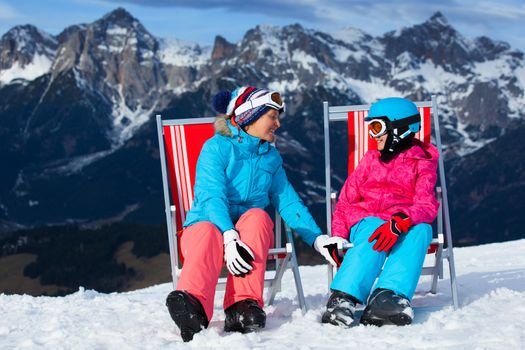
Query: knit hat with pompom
226, 102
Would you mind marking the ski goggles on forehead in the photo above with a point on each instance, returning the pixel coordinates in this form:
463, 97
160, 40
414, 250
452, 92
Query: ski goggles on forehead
272, 99
377, 127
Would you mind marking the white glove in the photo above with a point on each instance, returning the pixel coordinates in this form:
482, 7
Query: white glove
328, 247
238, 255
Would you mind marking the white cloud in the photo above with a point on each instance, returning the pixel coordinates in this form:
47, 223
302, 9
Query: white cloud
501, 10
7, 12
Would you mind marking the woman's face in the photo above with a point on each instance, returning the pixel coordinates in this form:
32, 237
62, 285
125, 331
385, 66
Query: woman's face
381, 140
264, 127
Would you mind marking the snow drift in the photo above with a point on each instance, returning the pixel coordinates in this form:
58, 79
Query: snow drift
491, 282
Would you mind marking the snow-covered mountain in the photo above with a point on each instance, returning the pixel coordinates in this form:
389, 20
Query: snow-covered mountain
491, 284
26, 53
78, 126
481, 81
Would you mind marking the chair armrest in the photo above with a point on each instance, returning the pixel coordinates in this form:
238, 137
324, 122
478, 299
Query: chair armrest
342, 247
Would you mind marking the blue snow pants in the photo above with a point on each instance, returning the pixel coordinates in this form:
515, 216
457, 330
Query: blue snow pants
362, 264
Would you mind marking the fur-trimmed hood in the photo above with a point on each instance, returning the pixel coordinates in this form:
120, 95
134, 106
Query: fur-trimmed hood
221, 125
239, 137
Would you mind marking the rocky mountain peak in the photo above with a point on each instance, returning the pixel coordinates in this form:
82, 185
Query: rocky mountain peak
28, 35
434, 40
108, 39
438, 19
222, 49
109, 78
23, 46
489, 48
119, 17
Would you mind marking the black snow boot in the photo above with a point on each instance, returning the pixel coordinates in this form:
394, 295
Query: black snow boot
340, 309
386, 307
244, 316
187, 312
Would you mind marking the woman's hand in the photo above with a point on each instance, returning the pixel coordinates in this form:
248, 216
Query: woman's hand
329, 248
237, 254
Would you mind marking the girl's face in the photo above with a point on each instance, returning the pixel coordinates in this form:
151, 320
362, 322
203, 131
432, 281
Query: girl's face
264, 127
381, 140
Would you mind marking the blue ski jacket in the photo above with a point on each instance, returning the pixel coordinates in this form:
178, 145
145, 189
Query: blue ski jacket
236, 172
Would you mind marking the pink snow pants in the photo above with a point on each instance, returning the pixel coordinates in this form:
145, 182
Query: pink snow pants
203, 251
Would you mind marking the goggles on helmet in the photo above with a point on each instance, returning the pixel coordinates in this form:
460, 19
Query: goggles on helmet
377, 127
272, 99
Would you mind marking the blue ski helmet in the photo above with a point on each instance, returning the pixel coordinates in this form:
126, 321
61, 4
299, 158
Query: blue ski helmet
401, 113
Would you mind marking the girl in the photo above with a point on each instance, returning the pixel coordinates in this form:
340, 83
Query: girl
385, 208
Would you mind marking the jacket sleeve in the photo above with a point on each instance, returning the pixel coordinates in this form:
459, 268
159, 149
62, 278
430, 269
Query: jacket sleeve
210, 185
291, 207
346, 213
425, 204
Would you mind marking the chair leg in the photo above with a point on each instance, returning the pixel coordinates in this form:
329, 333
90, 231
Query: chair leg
277, 279
298, 284
330, 275
437, 271
453, 285
295, 270
435, 275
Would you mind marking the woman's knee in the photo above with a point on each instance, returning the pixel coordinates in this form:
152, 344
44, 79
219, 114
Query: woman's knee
203, 226
201, 231
260, 215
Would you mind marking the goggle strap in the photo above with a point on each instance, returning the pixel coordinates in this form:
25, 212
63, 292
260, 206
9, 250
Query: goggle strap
405, 121
405, 134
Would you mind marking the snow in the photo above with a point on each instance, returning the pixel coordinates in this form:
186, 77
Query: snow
371, 91
38, 67
520, 75
342, 53
501, 70
126, 120
116, 30
494, 69
491, 281
350, 35
305, 60
183, 53
285, 85
76, 164
452, 87
356, 45
468, 145
271, 39
436, 79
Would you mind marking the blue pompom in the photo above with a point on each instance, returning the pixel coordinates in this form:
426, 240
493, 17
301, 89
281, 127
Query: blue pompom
221, 100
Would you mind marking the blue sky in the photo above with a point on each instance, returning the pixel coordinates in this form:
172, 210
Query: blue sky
201, 20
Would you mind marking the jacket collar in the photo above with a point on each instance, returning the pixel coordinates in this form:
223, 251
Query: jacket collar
247, 142
422, 150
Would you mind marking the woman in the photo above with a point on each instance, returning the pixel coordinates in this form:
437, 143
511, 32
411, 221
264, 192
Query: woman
238, 174
385, 208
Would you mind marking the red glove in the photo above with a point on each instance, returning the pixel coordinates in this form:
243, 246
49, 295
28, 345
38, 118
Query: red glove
388, 233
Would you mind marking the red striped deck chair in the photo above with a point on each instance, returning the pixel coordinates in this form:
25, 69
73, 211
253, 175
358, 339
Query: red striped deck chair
180, 143
359, 143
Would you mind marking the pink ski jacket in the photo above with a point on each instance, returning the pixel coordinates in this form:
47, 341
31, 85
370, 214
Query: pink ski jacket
406, 184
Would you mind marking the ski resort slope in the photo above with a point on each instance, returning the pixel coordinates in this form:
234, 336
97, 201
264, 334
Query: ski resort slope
491, 289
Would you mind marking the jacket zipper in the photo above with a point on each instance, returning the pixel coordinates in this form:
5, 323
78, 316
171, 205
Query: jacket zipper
250, 183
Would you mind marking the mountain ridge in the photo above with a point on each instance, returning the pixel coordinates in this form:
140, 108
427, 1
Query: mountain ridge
94, 107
